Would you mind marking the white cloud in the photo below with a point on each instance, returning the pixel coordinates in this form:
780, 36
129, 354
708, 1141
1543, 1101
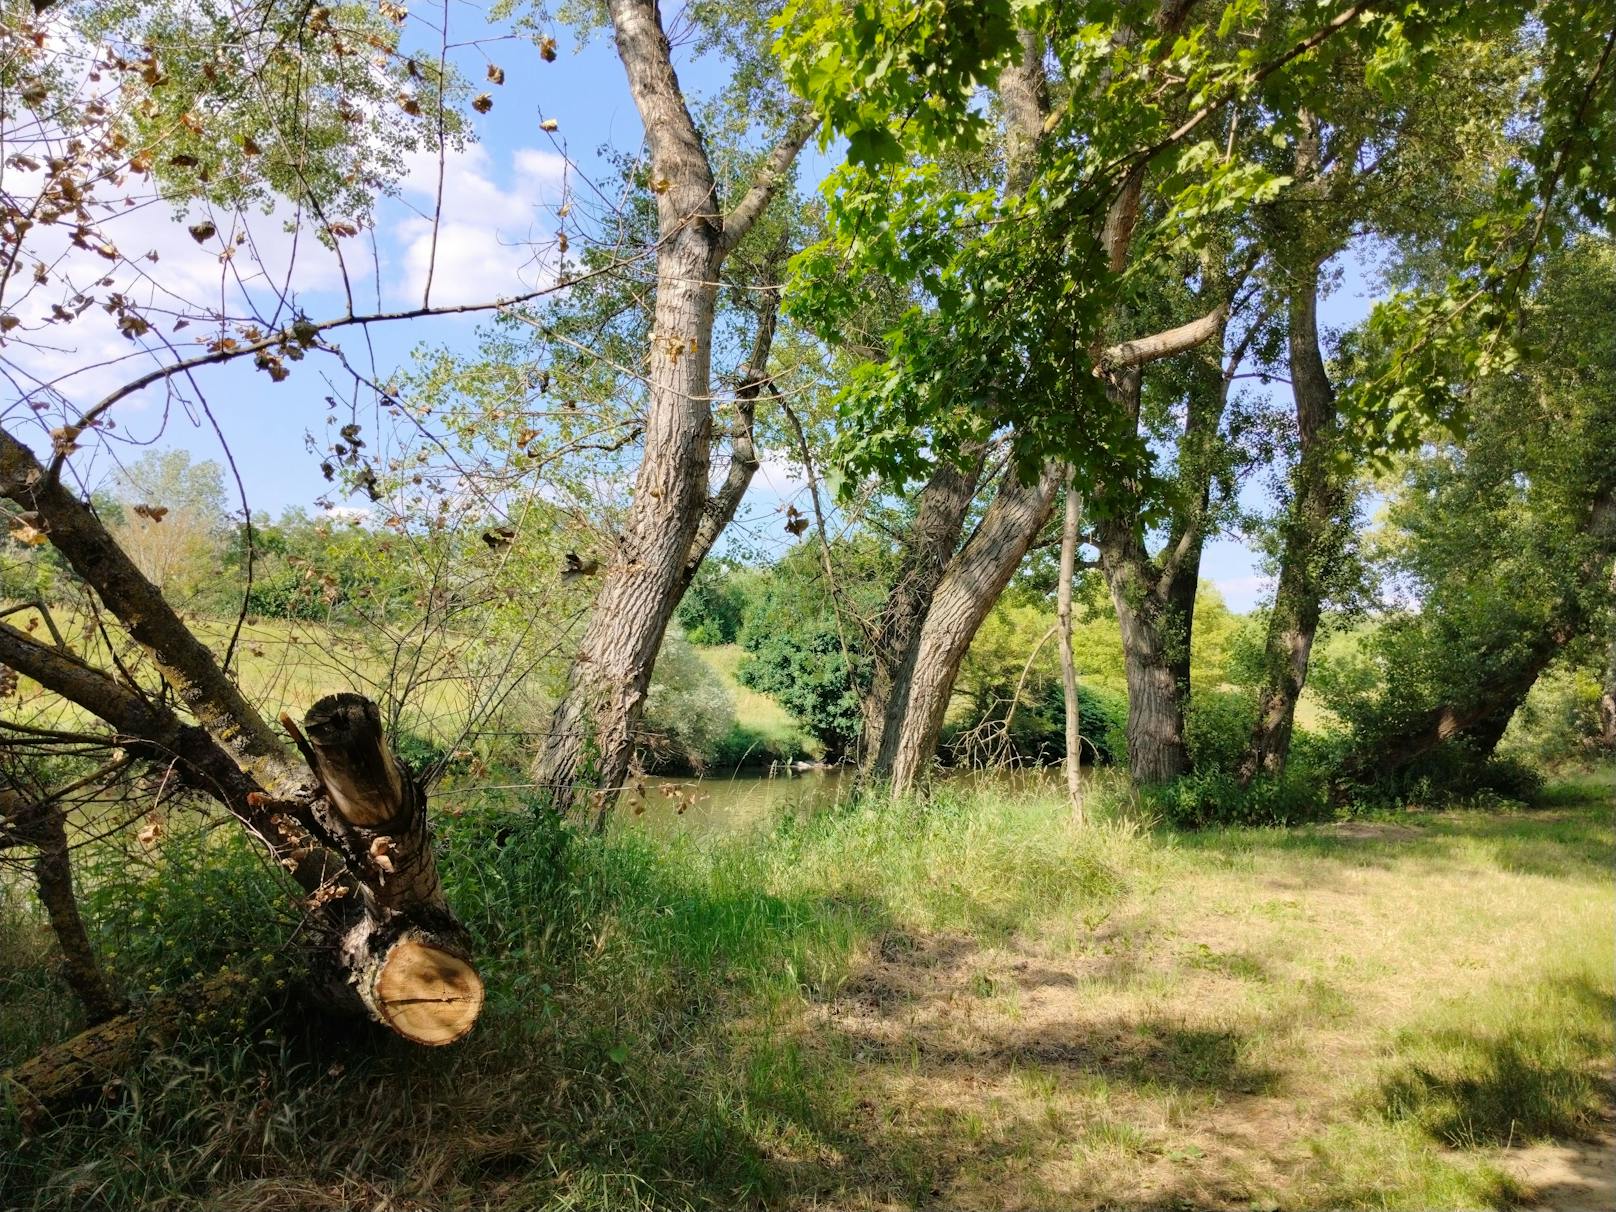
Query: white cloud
250, 265
493, 240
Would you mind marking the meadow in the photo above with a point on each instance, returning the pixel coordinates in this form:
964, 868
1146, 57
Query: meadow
966, 1003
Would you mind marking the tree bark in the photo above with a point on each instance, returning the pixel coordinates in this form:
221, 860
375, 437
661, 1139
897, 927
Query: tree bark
40, 824
1068, 659
1152, 637
589, 745
1154, 597
964, 596
1607, 697
927, 548
1312, 541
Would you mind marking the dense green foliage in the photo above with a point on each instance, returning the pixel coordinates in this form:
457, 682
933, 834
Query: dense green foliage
803, 643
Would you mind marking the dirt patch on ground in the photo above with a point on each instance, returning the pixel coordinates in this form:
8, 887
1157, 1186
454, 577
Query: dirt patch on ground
1219, 1040
1371, 831
1569, 1178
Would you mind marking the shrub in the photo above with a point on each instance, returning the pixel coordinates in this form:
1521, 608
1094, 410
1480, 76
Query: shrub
744, 745
710, 612
1217, 729
1449, 774
1559, 722
688, 711
1199, 800
157, 921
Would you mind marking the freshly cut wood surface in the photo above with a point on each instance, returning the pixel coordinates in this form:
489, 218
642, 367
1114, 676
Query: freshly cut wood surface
426, 994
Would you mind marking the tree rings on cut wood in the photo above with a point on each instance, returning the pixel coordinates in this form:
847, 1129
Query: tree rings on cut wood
425, 993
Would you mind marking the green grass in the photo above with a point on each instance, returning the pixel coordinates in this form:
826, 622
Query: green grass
758, 712
966, 1004
281, 665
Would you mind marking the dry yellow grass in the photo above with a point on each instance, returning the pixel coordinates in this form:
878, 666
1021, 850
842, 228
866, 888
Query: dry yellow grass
1353, 1015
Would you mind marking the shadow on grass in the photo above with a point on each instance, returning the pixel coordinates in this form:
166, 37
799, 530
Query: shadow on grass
1563, 842
644, 1046
1527, 1082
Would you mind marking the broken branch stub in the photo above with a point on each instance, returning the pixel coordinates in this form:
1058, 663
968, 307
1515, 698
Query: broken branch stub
405, 954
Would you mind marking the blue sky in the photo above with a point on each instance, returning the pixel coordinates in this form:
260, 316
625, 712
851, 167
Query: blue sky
500, 197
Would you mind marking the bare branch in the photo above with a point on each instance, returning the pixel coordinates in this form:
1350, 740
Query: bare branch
769, 179
307, 330
679, 163
73, 529
720, 508
1167, 343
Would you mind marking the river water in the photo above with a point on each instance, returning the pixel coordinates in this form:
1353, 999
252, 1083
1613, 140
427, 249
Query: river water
720, 804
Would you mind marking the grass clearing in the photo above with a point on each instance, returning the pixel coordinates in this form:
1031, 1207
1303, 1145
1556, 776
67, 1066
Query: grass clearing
758, 712
965, 1005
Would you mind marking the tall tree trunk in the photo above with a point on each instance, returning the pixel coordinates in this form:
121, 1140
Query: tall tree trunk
1070, 525
1607, 697
1151, 639
965, 595
1154, 597
927, 548
1312, 540
590, 742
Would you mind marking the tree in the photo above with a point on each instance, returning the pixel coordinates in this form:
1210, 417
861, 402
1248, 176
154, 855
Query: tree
590, 741
1364, 165
114, 110
1505, 538
172, 522
1025, 285
937, 608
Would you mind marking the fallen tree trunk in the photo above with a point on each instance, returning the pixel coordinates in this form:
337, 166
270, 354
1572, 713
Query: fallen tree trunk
405, 955
383, 941
87, 1068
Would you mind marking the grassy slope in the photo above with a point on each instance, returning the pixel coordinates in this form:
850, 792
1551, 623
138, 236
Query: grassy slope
282, 665
756, 711
969, 1006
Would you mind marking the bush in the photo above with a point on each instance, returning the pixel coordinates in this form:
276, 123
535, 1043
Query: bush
1450, 774
710, 612
1217, 729
688, 711
1200, 800
744, 745
1559, 723
1038, 730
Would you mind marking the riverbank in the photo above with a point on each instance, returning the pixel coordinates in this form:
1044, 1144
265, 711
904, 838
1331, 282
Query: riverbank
970, 1005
